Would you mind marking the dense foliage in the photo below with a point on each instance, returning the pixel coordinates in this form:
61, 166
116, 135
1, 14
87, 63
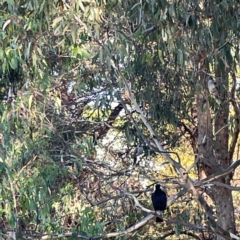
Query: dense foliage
83, 83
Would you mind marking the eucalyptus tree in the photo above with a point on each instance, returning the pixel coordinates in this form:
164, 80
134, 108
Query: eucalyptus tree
177, 46
153, 59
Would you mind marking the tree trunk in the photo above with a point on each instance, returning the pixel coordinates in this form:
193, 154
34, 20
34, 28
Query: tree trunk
224, 204
224, 209
213, 152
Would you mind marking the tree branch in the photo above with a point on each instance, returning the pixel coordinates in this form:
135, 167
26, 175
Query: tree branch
215, 176
181, 232
181, 171
222, 185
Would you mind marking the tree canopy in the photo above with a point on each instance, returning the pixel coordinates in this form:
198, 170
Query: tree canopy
84, 84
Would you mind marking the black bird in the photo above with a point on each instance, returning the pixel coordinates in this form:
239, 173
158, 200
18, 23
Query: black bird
159, 200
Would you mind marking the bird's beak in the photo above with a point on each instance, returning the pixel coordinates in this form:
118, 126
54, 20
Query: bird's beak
162, 188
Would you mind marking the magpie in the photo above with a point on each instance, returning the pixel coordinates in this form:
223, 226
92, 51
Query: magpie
138, 151
212, 86
213, 89
159, 201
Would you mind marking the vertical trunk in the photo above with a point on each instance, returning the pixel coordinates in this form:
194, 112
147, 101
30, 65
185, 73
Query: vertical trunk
224, 204
224, 208
213, 152
207, 163
221, 126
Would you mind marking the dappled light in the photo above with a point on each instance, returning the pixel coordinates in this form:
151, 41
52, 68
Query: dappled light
119, 119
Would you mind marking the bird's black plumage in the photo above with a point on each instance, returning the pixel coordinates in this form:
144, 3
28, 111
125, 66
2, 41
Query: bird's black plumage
159, 200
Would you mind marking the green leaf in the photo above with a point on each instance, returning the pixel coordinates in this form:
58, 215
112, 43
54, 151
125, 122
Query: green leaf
81, 5
6, 24
74, 30
177, 229
97, 102
42, 5
180, 57
86, 11
56, 21
85, 54
34, 59
101, 56
4, 66
58, 102
1, 54
14, 63
30, 101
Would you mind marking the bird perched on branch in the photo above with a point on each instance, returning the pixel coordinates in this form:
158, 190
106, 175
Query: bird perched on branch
212, 86
138, 151
159, 200
213, 90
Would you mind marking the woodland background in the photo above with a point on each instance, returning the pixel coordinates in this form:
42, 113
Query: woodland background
83, 83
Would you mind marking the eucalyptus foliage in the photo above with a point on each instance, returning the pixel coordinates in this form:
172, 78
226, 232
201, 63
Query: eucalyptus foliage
68, 124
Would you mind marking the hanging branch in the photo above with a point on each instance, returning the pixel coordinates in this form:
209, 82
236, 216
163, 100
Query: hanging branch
181, 171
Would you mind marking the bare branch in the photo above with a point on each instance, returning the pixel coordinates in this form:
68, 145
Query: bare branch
181, 232
215, 176
181, 171
222, 185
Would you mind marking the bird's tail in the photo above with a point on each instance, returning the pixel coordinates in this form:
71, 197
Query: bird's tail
158, 219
